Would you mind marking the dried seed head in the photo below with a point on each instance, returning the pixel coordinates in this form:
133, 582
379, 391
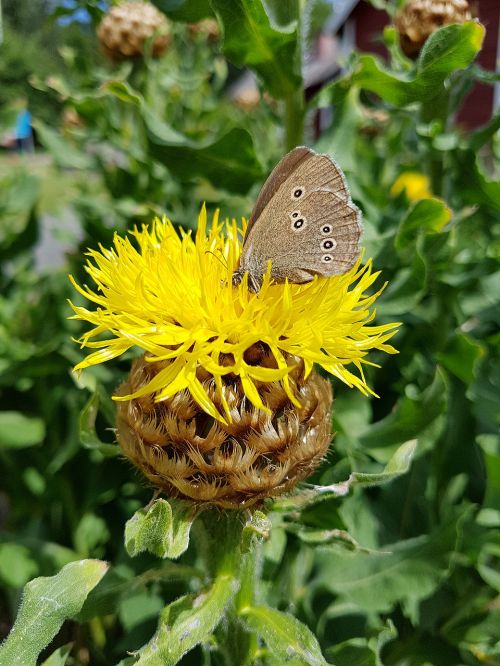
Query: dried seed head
188, 454
420, 18
207, 27
126, 27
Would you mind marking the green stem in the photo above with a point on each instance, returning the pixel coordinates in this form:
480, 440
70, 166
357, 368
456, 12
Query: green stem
437, 110
220, 546
294, 119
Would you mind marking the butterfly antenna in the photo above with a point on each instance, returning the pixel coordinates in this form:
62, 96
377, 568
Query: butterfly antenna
217, 257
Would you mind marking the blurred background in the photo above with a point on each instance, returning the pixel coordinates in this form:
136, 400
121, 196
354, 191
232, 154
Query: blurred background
112, 114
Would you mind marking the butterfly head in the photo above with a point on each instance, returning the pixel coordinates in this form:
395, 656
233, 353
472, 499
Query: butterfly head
255, 280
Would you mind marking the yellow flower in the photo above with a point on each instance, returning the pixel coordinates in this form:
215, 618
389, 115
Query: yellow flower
172, 296
415, 184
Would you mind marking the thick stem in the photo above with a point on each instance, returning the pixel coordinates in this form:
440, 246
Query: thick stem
220, 546
294, 119
437, 110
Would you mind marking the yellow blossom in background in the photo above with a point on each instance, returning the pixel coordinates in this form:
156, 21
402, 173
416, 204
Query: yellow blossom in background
172, 296
416, 185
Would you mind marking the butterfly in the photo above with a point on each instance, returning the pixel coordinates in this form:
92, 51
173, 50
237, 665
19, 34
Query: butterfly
303, 221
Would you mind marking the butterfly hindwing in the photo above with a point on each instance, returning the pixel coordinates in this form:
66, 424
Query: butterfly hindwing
325, 236
308, 225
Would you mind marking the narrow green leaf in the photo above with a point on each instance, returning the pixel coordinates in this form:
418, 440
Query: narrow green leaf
490, 445
46, 603
162, 528
187, 622
252, 39
18, 431
123, 91
399, 464
332, 537
288, 640
88, 434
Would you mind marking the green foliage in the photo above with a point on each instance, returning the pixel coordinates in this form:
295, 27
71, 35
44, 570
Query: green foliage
46, 603
389, 554
162, 529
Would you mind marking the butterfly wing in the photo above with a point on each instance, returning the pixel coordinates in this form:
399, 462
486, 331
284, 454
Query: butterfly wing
278, 175
308, 224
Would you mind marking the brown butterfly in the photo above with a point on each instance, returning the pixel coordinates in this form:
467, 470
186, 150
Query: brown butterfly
304, 222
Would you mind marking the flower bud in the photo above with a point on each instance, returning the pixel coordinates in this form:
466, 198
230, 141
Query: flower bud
126, 27
420, 18
256, 454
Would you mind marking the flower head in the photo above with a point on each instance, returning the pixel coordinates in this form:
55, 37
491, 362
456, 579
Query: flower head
414, 184
172, 296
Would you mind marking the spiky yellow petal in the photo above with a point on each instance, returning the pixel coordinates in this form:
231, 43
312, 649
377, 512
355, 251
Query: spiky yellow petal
172, 296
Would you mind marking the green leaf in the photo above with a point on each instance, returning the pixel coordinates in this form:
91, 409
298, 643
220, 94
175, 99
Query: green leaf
408, 287
475, 186
230, 161
461, 356
409, 418
46, 604
398, 464
59, 657
447, 50
252, 39
488, 565
185, 10
63, 152
19, 194
88, 434
341, 137
90, 533
288, 640
139, 606
187, 622
427, 215
406, 572
18, 431
332, 537
363, 651
256, 529
17, 564
490, 445
162, 528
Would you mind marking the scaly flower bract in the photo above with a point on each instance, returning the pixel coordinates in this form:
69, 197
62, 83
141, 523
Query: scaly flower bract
172, 295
